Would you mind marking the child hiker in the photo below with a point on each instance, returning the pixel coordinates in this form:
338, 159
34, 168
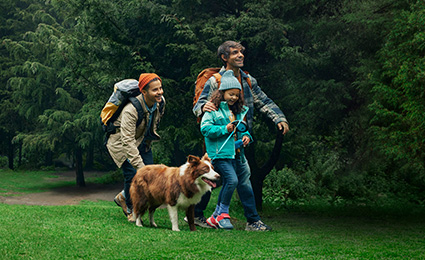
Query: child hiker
224, 144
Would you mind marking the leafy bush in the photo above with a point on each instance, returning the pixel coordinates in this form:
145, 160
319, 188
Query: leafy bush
275, 190
110, 177
3, 161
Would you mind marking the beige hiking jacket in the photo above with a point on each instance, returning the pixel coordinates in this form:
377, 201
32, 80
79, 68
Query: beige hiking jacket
123, 144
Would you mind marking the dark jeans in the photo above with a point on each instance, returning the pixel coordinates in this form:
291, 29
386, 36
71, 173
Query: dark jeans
235, 174
202, 205
129, 171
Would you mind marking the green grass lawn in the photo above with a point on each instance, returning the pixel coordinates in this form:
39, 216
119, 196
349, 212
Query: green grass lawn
98, 230
12, 182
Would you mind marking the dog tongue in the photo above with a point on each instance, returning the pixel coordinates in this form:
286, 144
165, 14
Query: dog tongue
212, 184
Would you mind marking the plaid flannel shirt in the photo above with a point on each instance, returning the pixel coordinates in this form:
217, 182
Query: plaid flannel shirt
253, 97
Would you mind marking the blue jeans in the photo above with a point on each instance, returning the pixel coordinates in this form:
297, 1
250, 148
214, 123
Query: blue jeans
235, 174
129, 171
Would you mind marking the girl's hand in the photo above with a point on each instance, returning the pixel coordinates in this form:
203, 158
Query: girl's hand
245, 140
230, 127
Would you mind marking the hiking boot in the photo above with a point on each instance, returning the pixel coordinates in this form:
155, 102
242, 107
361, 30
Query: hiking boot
200, 221
120, 201
257, 226
223, 221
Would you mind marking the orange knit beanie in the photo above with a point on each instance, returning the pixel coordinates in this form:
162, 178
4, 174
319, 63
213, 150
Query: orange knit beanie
146, 78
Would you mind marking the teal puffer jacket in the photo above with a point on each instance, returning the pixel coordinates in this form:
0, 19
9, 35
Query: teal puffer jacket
213, 128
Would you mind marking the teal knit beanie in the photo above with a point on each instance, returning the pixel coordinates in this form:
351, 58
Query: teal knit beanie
229, 81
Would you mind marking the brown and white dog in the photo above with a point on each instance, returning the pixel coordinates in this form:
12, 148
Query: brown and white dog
176, 187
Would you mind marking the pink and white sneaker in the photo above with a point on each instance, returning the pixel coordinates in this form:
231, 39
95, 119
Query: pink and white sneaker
221, 221
212, 222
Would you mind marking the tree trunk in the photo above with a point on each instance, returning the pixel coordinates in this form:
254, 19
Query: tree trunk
258, 174
10, 153
90, 157
257, 182
20, 154
179, 156
49, 158
79, 167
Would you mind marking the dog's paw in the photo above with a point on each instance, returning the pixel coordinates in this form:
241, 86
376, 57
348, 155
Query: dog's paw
176, 229
139, 223
153, 224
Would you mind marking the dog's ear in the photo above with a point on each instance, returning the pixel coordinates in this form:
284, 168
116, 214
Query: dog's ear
205, 157
193, 159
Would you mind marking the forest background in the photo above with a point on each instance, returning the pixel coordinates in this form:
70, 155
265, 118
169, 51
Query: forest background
348, 74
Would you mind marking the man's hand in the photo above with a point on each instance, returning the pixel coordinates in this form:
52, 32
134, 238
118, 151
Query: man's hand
209, 107
283, 126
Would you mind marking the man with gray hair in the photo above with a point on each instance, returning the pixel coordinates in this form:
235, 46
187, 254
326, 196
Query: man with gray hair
231, 54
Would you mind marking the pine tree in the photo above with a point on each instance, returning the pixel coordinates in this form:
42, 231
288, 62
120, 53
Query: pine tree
45, 100
399, 103
15, 21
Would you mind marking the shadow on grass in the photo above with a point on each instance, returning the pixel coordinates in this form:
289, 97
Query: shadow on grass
16, 183
390, 210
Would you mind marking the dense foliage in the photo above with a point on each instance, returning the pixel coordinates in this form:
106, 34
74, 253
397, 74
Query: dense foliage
349, 75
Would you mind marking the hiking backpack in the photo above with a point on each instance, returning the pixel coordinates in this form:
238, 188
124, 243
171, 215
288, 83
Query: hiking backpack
124, 91
202, 79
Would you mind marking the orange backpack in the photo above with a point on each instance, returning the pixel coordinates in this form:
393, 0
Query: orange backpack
203, 78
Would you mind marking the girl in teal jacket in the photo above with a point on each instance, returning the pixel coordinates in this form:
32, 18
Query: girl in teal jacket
229, 160
216, 126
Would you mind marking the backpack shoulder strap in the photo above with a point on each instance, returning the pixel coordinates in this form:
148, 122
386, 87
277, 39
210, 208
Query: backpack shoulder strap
161, 105
217, 77
248, 79
138, 106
